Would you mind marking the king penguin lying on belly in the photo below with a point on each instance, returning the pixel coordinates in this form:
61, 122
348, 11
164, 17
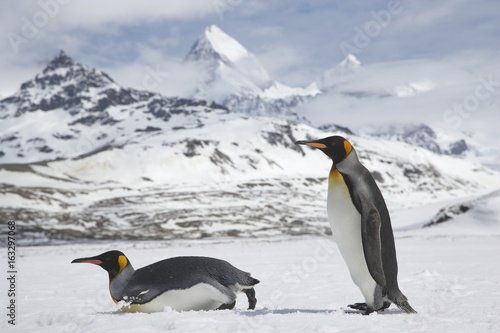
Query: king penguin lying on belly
182, 283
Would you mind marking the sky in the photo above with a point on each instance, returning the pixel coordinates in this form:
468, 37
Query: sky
296, 41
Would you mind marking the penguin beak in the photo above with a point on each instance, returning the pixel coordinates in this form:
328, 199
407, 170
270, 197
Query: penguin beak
91, 260
312, 144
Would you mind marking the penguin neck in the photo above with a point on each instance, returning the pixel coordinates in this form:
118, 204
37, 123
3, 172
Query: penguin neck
334, 175
118, 282
343, 167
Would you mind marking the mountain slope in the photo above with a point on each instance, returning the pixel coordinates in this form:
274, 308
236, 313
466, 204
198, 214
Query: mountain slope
477, 215
423, 136
128, 164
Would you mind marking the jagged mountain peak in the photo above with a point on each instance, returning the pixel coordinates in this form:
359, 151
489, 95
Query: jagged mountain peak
334, 76
63, 83
350, 62
215, 44
76, 70
234, 77
63, 70
223, 58
224, 45
62, 60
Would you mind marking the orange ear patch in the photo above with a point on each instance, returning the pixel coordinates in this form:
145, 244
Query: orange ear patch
348, 147
122, 261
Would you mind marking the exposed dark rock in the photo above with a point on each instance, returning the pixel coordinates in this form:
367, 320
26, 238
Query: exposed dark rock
192, 145
283, 136
448, 213
148, 129
336, 128
92, 119
45, 149
219, 158
63, 136
458, 147
8, 139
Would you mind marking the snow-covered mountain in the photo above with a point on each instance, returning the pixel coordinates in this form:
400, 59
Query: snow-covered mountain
422, 135
350, 78
70, 109
329, 80
481, 213
85, 157
386, 100
234, 77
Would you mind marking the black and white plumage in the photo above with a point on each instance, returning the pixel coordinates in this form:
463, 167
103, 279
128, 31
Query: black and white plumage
182, 283
361, 226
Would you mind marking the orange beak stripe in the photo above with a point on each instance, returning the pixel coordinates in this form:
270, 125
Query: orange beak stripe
316, 145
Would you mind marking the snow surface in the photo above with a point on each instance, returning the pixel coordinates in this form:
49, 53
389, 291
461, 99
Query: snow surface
452, 281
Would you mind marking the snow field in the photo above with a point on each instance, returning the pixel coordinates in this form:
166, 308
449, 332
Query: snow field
453, 282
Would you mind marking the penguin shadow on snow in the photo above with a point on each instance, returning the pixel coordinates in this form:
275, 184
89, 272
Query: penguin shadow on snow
286, 311
265, 311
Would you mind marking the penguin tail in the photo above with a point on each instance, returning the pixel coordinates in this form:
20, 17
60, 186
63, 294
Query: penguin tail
406, 307
402, 303
250, 292
252, 281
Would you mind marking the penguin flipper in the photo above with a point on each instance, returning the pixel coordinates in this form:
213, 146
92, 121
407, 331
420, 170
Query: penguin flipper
228, 306
370, 236
141, 294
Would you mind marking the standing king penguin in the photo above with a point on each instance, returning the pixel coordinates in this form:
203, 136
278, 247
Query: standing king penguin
361, 227
182, 283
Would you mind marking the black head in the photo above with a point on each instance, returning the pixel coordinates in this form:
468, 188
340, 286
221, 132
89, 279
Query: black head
112, 261
335, 147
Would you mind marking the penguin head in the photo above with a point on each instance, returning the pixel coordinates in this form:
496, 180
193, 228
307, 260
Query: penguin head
335, 147
112, 261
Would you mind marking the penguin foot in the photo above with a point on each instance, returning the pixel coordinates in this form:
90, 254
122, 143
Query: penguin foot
252, 301
385, 306
228, 306
361, 307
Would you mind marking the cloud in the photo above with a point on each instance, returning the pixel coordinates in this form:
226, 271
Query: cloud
93, 14
295, 42
153, 70
285, 62
429, 14
28, 24
460, 93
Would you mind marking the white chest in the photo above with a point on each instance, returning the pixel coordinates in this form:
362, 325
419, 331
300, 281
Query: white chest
345, 222
199, 297
343, 216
